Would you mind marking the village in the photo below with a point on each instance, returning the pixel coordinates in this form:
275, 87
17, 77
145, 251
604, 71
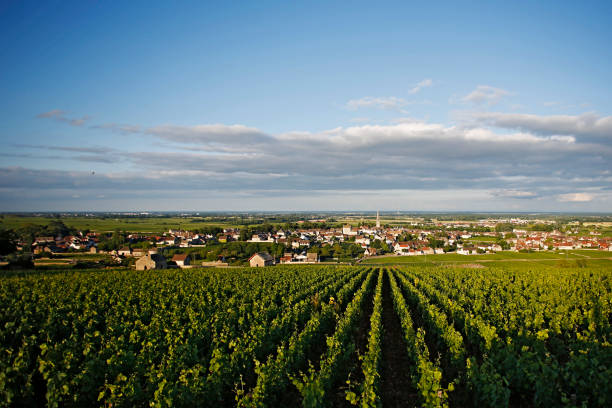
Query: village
181, 248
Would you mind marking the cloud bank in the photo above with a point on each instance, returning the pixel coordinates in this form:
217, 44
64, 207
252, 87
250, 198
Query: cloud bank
527, 161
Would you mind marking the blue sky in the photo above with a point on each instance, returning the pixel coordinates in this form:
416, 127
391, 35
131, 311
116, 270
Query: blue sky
487, 106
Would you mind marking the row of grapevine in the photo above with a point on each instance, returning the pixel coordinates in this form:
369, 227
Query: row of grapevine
504, 335
315, 384
273, 376
235, 363
448, 339
532, 363
368, 394
485, 385
126, 338
427, 376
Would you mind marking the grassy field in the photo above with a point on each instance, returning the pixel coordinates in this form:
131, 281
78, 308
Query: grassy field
483, 239
499, 256
153, 225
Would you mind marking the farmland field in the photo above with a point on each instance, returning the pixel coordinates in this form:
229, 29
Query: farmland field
150, 225
498, 256
505, 334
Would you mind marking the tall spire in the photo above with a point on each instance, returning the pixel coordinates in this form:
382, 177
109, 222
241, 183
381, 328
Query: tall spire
377, 219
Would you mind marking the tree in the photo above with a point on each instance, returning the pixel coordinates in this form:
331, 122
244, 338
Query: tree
8, 242
503, 243
57, 228
245, 234
325, 252
436, 243
504, 227
20, 261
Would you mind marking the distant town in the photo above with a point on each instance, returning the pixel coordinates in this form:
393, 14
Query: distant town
330, 239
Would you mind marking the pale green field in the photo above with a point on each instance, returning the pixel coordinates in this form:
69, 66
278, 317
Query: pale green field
483, 239
500, 256
153, 224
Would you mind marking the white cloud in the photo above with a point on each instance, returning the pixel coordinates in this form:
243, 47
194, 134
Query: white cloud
60, 116
587, 124
423, 84
360, 120
485, 94
383, 102
116, 127
206, 134
55, 113
404, 155
515, 194
575, 197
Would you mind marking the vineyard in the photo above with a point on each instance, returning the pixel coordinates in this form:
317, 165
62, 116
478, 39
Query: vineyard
513, 335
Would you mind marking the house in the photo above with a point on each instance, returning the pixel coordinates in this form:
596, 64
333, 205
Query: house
495, 247
125, 252
348, 230
138, 252
312, 257
360, 239
370, 252
401, 248
44, 240
427, 251
564, 245
172, 240
197, 242
467, 251
181, 260
300, 257
261, 259
286, 259
261, 238
151, 261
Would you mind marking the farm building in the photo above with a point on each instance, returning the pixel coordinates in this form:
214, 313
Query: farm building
261, 259
312, 257
151, 261
125, 251
182, 259
138, 252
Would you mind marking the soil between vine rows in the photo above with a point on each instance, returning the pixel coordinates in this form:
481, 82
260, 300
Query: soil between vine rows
396, 385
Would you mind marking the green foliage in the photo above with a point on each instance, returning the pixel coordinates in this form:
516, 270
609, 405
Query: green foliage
369, 395
8, 242
521, 335
504, 227
236, 251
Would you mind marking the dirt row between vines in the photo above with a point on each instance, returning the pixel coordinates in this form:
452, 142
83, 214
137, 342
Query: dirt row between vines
396, 385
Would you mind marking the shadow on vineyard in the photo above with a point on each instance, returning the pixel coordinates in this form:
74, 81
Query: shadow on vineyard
396, 385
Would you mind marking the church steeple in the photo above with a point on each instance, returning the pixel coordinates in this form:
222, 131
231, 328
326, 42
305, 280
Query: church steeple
377, 219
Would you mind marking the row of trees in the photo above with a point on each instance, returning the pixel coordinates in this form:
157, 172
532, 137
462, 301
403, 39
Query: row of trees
28, 233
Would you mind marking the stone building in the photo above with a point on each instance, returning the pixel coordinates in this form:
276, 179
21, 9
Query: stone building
312, 257
261, 259
152, 260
